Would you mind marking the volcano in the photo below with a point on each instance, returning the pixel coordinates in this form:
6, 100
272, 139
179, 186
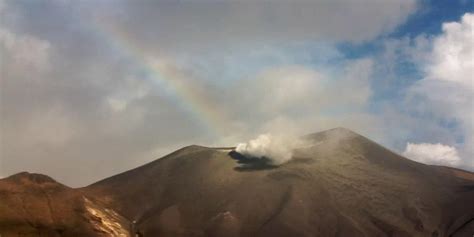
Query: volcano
342, 184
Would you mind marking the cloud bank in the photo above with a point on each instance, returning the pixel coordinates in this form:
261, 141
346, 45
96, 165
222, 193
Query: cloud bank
191, 25
433, 154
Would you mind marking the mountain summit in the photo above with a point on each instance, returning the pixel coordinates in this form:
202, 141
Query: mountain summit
341, 184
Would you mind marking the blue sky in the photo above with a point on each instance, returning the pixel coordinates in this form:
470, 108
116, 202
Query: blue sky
426, 21
433, 13
125, 82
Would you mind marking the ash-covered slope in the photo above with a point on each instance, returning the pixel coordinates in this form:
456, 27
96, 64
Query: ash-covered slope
341, 185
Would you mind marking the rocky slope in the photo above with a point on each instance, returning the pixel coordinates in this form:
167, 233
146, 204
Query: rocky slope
36, 205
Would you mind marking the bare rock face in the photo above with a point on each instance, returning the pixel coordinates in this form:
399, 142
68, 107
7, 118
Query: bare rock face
342, 184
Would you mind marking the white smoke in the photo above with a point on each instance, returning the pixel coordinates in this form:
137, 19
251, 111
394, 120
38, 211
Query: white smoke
278, 149
433, 154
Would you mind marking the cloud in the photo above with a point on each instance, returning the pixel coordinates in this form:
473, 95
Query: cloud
83, 114
70, 111
23, 53
77, 89
299, 91
446, 93
190, 25
452, 57
433, 154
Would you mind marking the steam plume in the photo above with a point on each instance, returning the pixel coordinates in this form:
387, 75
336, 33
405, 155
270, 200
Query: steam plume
278, 149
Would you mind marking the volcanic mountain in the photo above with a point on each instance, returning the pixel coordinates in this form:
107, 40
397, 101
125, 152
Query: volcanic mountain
342, 184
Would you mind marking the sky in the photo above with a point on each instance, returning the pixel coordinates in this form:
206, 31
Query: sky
89, 89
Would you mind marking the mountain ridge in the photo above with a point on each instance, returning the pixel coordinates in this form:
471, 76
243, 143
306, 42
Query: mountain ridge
343, 184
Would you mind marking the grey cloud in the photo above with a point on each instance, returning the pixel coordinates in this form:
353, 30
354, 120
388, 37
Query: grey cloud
193, 25
79, 108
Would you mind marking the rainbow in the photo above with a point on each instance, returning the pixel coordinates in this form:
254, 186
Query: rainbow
168, 79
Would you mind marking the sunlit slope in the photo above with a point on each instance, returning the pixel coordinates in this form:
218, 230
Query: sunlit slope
36, 205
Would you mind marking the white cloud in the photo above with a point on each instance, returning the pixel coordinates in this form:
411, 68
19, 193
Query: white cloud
452, 58
432, 154
447, 91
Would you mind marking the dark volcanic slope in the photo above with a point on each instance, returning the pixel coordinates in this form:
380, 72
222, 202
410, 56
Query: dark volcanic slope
341, 185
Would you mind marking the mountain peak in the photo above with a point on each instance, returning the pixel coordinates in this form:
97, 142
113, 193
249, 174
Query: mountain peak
332, 134
31, 177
